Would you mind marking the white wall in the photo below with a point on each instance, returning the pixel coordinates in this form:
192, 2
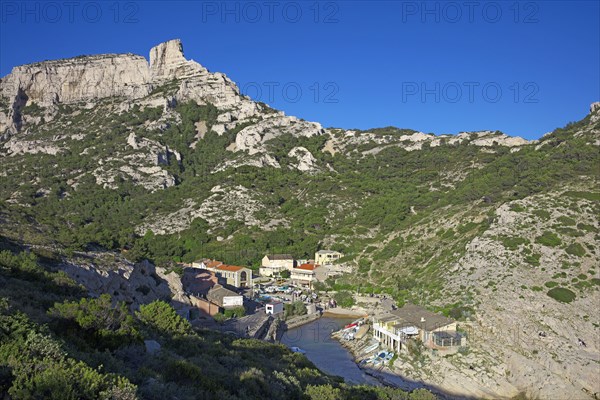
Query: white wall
233, 301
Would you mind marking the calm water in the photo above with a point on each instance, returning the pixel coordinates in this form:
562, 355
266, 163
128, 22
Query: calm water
327, 353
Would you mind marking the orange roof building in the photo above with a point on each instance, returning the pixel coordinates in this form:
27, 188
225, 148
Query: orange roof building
308, 267
234, 275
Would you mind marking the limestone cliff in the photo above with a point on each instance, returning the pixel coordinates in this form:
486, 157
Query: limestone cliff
92, 78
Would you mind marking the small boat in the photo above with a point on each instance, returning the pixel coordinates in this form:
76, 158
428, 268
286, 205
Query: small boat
371, 348
297, 350
362, 331
388, 356
352, 325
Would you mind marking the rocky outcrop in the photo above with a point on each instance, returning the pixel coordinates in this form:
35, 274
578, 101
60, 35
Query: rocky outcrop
134, 284
92, 78
78, 79
253, 138
595, 112
168, 62
305, 161
530, 336
15, 147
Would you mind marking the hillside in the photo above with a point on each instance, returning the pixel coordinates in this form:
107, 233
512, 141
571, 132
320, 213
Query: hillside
167, 161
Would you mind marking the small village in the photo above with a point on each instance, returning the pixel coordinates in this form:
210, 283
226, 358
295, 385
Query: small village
284, 296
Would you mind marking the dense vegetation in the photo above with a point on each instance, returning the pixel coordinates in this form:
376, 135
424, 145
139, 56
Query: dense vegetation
375, 195
93, 348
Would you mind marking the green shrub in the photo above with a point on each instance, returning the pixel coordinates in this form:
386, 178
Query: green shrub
236, 312
285, 274
584, 195
344, 299
575, 249
533, 259
566, 221
517, 207
294, 309
100, 323
512, 243
162, 318
551, 284
548, 239
561, 294
543, 214
587, 227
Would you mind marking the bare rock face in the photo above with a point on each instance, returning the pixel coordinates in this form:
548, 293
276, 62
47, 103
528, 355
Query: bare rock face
167, 61
92, 78
77, 79
252, 138
134, 284
306, 162
595, 111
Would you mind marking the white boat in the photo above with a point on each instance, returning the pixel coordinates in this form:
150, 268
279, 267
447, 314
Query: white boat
371, 348
297, 350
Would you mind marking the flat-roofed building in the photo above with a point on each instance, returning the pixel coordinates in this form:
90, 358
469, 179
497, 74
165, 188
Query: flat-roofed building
327, 257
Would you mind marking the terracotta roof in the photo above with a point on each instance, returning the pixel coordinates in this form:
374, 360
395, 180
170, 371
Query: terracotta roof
232, 268
213, 264
308, 267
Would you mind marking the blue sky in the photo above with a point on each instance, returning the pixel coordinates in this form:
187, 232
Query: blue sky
523, 67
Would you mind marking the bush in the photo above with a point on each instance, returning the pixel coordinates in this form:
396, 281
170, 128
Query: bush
562, 294
236, 312
295, 308
533, 259
575, 249
101, 323
512, 243
548, 239
285, 274
344, 299
161, 317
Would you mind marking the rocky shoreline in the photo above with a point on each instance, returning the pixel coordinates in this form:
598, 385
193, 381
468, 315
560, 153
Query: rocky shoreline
385, 375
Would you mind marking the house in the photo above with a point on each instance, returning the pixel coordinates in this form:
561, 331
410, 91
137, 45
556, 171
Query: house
198, 281
305, 275
327, 257
201, 264
274, 264
240, 277
274, 307
394, 328
224, 298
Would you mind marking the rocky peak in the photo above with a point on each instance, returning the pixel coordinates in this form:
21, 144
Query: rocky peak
167, 62
91, 78
595, 112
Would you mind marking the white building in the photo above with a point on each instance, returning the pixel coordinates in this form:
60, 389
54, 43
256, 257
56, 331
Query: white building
327, 257
224, 298
304, 275
274, 307
393, 329
275, 264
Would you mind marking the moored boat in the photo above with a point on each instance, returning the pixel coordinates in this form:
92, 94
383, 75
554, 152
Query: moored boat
297, 350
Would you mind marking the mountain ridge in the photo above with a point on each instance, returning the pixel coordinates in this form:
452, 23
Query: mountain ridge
475, 225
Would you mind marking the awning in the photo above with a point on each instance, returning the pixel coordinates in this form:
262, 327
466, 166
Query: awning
409, 330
